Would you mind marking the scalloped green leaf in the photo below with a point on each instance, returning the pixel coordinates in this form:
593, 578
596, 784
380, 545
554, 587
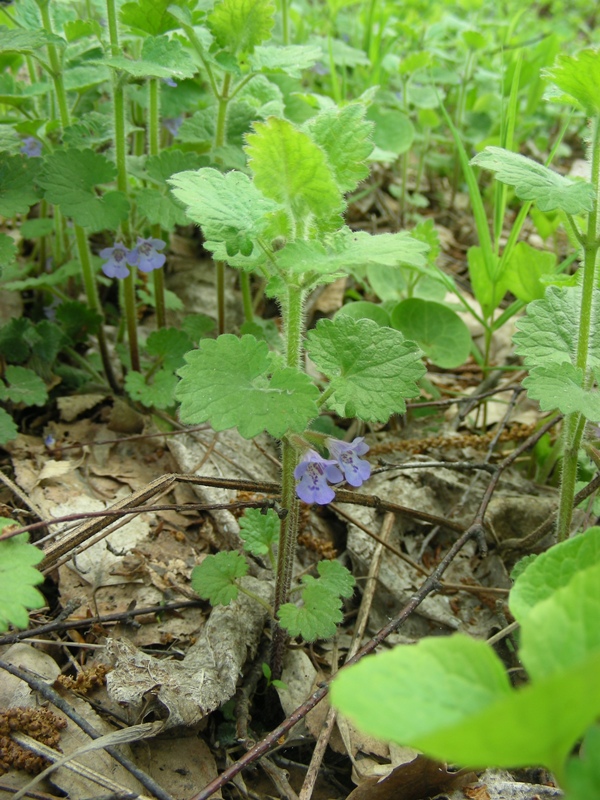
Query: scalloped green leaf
31, 43
229, 207
548, 333
167, 163
215, 578
161, 57
561, 386
292, 170
159, 393
259, 531
345, 136
578, 77
8, 429
17, 192
24, 386
150, 16
169, 345
8, 252
160, 209
231, 383
70, 178
352, 251
552, 570
292, 59
18, 579
240, 25
439, 331
372, 370
533, 181
336, 578
317, 617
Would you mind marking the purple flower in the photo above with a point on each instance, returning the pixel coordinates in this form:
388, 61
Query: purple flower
314, 472
346, 456
116, 266
31, 147
146, 256
320, 69
172, 125
169, 82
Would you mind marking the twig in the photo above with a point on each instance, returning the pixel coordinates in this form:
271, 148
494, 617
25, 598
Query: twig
359, 631
120, 616
548, 525
58, 759
262, 747
48, 693
4, 788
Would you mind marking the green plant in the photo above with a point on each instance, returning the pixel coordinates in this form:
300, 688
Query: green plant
18, 578
559, 336
284, 224
451, 696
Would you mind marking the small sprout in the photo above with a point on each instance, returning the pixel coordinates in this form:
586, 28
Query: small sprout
315, 473
116, 265
145, 255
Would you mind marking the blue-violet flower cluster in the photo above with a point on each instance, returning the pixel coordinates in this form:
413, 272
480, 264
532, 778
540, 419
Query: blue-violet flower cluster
31, 147
144, 256
315, 473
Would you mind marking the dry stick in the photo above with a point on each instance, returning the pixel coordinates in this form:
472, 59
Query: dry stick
491, 468
48, 693
548, 525
431, 584
121, 616
8, 790
114, 513
359, 631
459, 587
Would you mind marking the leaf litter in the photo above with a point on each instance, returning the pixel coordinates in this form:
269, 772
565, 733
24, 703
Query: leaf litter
181, 666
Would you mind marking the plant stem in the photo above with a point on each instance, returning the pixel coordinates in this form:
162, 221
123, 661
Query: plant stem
247, 296
285, 21
153, 150
120, 142
91, 292
293, 318
83, 248
574, 424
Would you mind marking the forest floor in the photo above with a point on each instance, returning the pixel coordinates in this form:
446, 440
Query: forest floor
126, 644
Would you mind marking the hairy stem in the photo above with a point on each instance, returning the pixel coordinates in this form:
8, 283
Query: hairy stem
574, 423
83, 249
153, 150
293, 318
120, 141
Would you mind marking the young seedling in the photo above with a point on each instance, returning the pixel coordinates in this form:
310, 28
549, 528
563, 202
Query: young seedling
285, 224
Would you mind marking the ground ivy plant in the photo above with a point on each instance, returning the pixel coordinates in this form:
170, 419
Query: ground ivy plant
283, 221
559, 337
451, 697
